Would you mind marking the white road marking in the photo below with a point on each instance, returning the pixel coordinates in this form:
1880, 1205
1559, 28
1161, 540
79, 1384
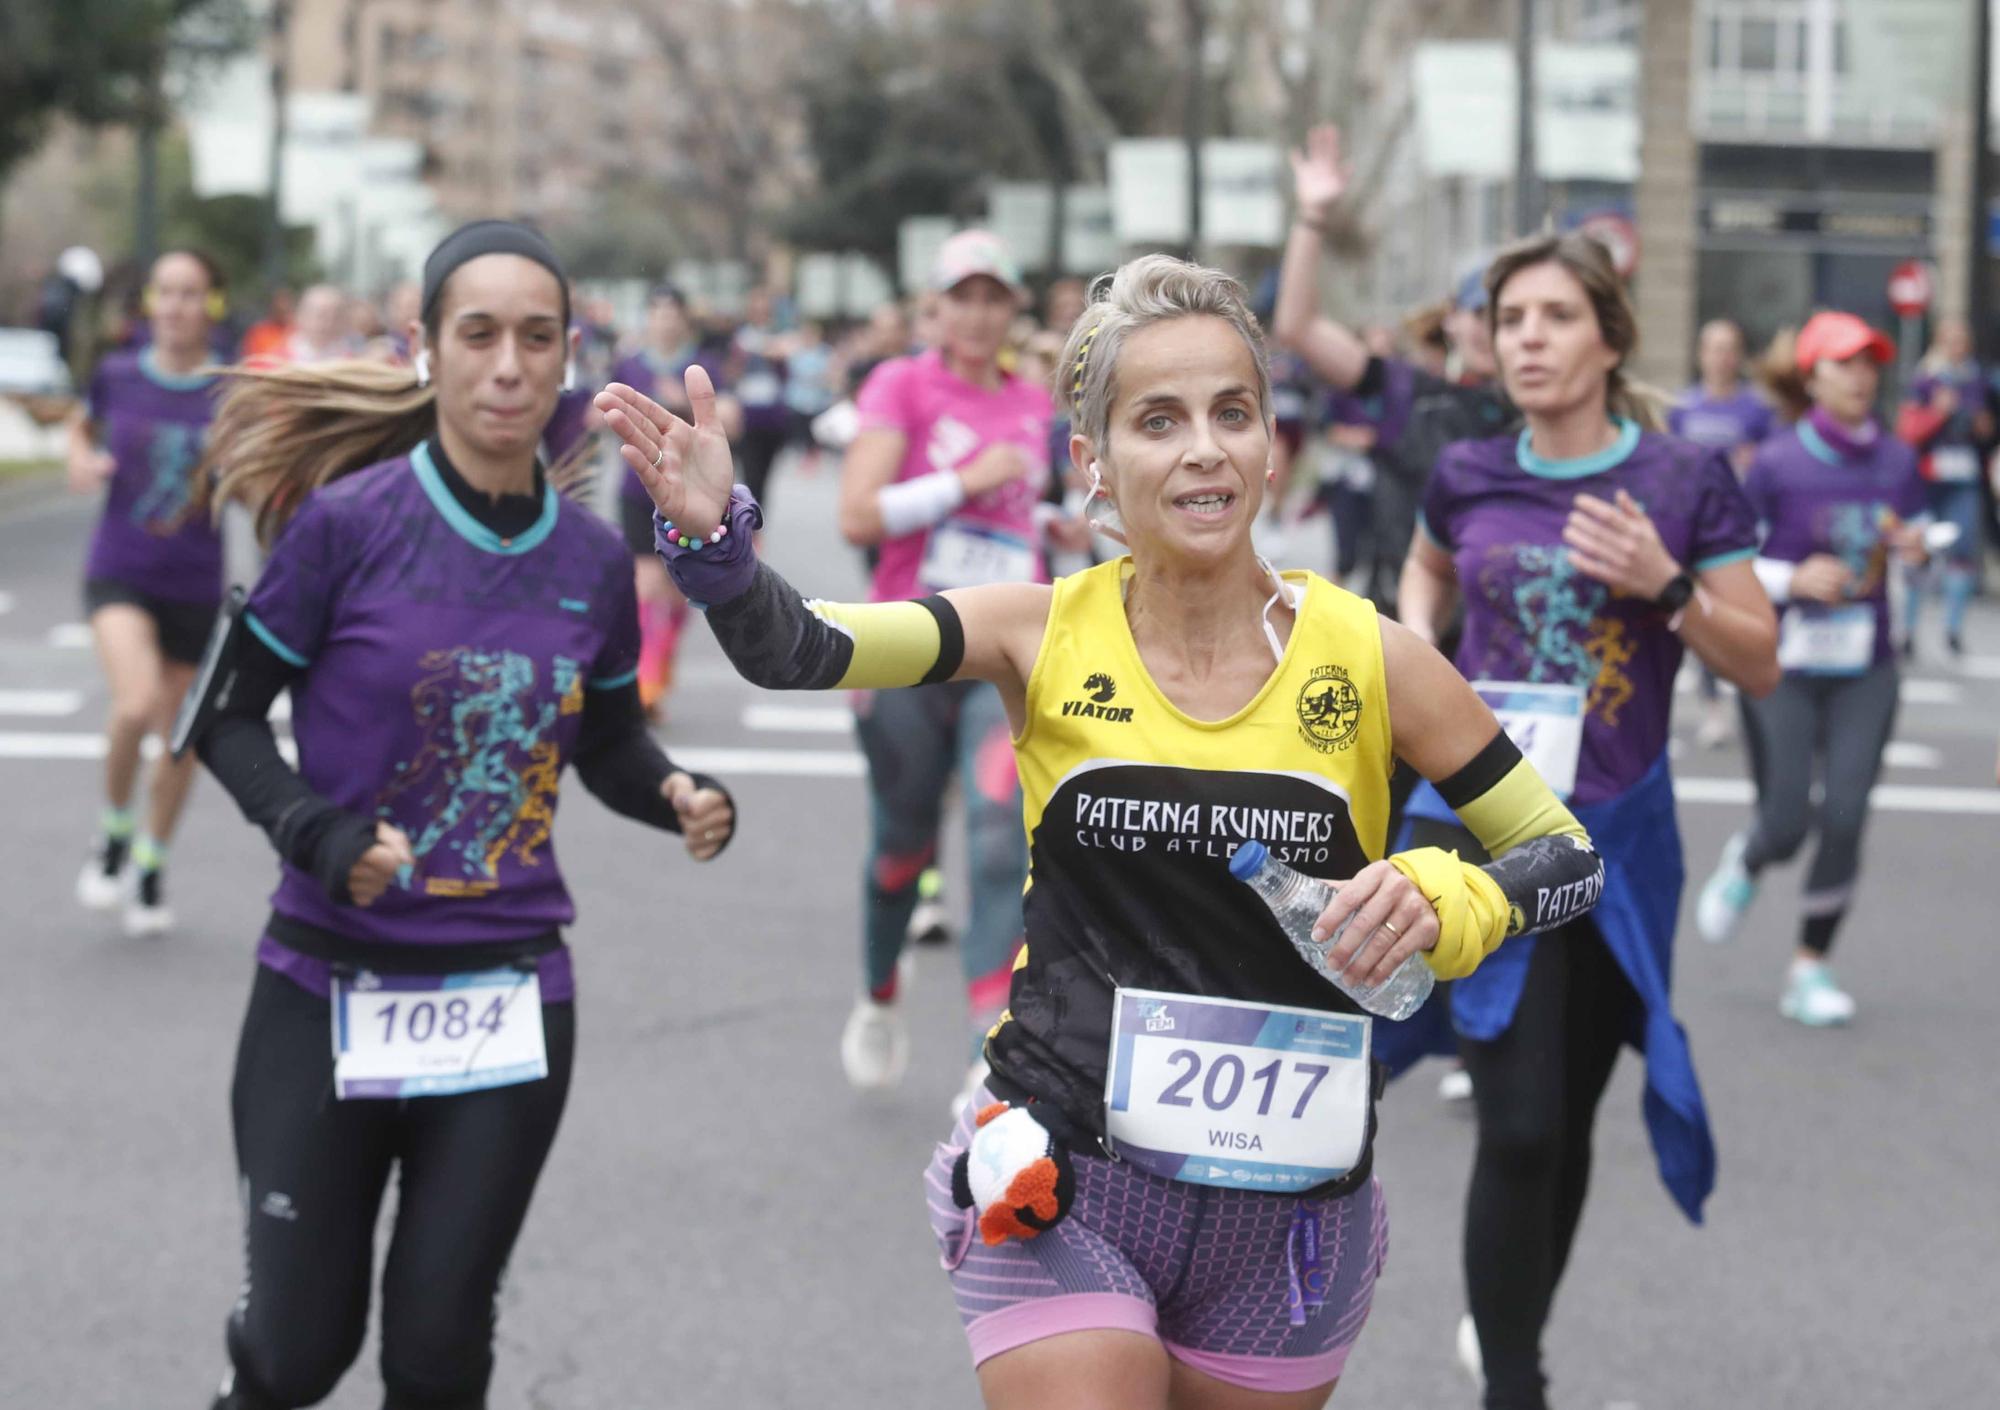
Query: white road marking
40, 702
798, 719
774, 763
1930, 692
71, 635
1887, 797
50, 745
1985, 668
847, 763
1908, 754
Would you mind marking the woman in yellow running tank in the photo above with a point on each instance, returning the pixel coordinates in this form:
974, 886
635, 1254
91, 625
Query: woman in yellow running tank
1165, 1198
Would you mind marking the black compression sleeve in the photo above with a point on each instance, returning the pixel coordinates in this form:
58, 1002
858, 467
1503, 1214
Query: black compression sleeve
623, 765
317, 836
775, 641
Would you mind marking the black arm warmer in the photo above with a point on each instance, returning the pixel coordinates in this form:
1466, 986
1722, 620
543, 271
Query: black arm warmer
623, 765
776, 641
321, 838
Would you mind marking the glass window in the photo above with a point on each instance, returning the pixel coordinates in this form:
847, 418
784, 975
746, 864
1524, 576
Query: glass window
1759, 46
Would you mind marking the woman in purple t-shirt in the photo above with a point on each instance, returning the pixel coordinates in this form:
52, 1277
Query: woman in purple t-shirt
454, 633
1835, 495
1590, 552
154, 576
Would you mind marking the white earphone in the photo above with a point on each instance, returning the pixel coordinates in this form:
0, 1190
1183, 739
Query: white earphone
422, 363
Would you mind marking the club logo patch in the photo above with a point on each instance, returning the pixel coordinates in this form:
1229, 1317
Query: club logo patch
1329, 709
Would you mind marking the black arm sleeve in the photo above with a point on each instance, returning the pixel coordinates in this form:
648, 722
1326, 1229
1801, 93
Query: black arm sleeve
623, 765
319, 837
778, 640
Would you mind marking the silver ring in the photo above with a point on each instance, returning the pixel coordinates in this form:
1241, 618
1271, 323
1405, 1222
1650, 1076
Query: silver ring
658, 456
1392, 930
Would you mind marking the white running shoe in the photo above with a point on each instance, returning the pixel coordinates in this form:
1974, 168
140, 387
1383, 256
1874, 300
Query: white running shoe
146, 912
930, 922
1469, 1357
975, 1078
101, 885
1455, 1086
1813, 998
874, 1046
1727, 894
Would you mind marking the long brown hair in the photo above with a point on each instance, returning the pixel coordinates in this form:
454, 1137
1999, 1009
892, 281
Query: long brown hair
1587, 261
282, 432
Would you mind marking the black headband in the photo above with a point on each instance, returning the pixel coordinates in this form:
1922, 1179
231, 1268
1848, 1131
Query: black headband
488, 237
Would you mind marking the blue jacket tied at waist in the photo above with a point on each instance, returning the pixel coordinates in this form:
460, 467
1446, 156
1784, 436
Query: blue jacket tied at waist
1640, 842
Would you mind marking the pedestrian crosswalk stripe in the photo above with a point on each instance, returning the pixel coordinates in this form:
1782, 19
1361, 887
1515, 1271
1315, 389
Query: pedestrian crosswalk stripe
798, 719
40, 702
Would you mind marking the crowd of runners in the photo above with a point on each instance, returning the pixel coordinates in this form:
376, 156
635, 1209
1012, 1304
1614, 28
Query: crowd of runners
482, 519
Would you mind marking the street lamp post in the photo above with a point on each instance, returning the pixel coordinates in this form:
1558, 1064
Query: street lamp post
1527, 186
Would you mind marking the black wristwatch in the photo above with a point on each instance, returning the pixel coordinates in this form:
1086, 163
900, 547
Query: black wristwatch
1676, 594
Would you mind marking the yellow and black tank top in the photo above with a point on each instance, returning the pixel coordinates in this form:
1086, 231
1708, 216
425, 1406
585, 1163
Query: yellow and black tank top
1133, 809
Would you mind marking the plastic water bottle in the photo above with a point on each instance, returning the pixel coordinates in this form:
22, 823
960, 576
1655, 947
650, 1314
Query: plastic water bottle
1297, 900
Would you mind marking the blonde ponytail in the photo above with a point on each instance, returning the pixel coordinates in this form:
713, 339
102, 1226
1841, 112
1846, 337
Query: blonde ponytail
282, 432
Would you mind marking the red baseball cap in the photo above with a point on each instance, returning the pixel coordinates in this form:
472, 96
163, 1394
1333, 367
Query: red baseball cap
1839, 336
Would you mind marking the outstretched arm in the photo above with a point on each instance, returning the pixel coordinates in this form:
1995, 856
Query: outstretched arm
775, 636
1319, 179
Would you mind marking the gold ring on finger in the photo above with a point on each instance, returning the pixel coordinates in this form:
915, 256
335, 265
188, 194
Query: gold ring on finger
658, 456
1392, 929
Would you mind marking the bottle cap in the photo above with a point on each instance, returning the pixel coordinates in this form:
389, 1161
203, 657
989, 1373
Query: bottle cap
1249, 860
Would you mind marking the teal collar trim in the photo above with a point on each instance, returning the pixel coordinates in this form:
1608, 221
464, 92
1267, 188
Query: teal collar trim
1597, 464
469, 528
149, 366
1816, 445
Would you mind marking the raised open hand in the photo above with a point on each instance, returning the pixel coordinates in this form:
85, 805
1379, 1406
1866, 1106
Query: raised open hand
685, 468
1319, 176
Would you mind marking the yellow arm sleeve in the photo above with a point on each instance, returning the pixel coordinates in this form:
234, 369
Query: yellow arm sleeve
1544, 871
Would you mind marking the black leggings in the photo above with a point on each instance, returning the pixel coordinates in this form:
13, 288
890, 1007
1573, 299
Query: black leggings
1841, 724
312, 1173
1535, 1089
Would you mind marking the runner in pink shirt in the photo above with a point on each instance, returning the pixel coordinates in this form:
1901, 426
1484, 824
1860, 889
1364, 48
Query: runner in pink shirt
944, 485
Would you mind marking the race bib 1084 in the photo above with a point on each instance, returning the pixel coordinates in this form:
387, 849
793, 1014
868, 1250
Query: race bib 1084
1241, 1095
399, 1035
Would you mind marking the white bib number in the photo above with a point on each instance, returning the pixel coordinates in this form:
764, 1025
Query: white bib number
1838, 641
758, 388
1546, 724
1241, 1095
398, 1035
971, 555
1954, 465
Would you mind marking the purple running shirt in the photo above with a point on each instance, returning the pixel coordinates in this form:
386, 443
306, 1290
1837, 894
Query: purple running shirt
1721, 423
1530, 615
148, 537
445, 670
1814, 498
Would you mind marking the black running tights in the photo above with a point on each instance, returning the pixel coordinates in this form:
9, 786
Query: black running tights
312, 1174
1535, 1089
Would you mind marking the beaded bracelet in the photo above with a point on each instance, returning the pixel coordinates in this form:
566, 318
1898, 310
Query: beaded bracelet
689, 542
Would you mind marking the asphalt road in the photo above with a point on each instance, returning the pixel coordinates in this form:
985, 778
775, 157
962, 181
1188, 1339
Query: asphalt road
724, 1224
